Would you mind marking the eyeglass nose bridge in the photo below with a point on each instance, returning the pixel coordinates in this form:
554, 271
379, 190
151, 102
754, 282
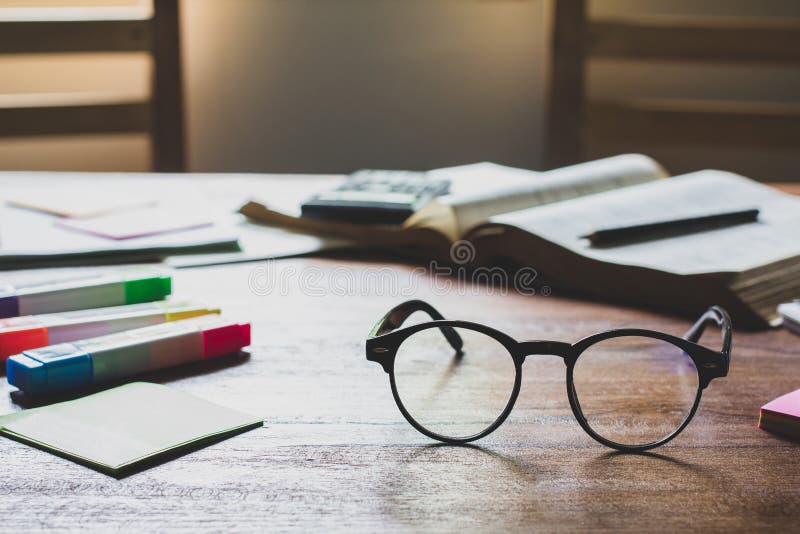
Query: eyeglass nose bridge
554, 348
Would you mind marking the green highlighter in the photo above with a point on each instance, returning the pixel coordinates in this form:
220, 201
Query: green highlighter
82, 291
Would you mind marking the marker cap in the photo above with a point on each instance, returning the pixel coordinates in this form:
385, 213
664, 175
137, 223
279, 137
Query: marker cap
225, 339
67, 367
147, 289
177, 311
21, 333
9, 303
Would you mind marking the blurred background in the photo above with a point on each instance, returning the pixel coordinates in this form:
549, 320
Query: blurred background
333, 86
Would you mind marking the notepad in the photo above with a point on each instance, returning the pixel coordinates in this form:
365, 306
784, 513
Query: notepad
790, 313
124, 429
782, 415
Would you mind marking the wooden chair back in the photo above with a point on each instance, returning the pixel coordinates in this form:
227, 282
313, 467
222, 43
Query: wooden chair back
576, 122
100, 29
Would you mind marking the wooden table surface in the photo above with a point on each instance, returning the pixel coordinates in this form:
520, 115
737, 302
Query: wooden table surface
336, 454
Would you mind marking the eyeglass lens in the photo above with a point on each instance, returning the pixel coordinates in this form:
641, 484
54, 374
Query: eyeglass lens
635, 390
451, 395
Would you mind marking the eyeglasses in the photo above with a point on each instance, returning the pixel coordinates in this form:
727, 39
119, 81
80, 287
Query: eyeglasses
630, 389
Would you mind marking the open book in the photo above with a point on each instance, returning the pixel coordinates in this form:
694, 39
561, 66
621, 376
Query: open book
517, 217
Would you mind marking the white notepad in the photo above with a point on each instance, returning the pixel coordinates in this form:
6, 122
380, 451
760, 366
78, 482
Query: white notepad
122, 429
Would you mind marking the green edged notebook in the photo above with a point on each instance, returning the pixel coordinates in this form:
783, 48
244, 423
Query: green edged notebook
125, 429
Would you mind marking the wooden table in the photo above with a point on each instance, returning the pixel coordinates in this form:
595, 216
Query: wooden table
337, 455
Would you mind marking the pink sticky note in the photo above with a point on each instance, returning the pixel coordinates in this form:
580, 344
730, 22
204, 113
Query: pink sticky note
782, 416
787, 405
130, 224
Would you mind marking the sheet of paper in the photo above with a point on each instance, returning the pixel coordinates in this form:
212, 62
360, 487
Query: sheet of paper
117, 429
76, 203
138, 223
30, 238
732, 249
261, 242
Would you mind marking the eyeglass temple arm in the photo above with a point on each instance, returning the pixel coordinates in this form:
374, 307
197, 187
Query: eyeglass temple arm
718, 317
397, 316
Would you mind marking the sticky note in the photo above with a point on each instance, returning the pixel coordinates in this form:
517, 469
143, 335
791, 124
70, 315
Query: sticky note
782, 415
121, 430
133, 224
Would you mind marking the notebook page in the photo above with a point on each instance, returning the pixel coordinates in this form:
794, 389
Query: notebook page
732, 249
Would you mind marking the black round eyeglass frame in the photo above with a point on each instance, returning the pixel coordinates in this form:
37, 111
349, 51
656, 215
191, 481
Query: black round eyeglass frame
386, 337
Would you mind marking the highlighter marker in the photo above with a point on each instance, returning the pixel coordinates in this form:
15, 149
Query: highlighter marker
18, 334
81, 292
101, 359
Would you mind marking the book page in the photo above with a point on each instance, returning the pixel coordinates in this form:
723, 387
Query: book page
484, 178
505, 189
731, 249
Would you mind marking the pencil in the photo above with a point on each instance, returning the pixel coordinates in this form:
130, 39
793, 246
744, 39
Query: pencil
661, 229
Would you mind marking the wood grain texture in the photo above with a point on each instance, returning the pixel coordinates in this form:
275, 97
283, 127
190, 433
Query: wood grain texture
337, 455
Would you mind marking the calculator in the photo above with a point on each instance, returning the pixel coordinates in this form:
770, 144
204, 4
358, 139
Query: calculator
376, 197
